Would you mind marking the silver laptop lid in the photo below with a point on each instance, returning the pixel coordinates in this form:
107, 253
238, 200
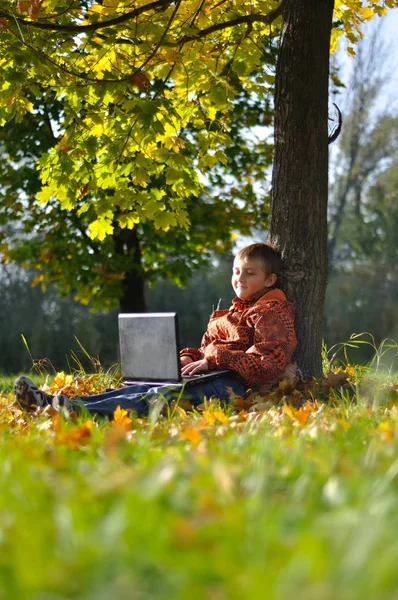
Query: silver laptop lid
149, 346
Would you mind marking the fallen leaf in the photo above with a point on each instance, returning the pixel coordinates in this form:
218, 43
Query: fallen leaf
121, 418
114, 437
337, 378
289, 374
76, 437
261, 407
191, 434
210, 417
386, 433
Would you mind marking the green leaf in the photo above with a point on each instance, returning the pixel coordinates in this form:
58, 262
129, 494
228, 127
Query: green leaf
164, 220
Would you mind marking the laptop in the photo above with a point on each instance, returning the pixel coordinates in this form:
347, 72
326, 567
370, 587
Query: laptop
149, 350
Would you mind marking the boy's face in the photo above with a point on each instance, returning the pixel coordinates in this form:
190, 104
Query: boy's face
249, 277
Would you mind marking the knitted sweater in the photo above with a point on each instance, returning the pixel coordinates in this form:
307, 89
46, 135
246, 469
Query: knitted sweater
254, 337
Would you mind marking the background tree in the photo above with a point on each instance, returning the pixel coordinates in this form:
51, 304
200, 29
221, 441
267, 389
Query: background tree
362, 288
113, 271
51, 325
368, 143
362, 293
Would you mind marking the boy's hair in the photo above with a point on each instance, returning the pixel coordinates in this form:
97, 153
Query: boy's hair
267, 253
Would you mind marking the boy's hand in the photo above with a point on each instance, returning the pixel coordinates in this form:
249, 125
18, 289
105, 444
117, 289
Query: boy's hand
195, 367
185, 360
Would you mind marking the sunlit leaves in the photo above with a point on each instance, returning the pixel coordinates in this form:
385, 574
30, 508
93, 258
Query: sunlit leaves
351, 14
128, 100
100, 228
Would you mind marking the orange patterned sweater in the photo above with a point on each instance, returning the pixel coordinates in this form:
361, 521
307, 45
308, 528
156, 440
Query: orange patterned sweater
254, 337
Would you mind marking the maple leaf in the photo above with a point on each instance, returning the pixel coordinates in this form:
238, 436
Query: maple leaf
337, 378
289, 375
191, 434
210, 417
141, 81
121, 418
22, 5
76, 437
32, 7
242, 403
116, 435
385, 431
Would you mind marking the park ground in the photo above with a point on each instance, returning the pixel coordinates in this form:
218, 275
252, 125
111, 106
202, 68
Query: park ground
294, 494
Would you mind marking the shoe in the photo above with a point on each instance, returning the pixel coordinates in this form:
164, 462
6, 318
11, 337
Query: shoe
28, 394
61, 402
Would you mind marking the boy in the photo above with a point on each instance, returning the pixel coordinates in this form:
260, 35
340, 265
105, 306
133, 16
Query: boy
254, 339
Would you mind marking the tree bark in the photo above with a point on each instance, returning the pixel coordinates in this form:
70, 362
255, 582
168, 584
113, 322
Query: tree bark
127, 243
300, 173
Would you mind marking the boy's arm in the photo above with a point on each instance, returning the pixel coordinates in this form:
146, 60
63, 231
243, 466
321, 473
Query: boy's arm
196, 353
193, 353
273, 345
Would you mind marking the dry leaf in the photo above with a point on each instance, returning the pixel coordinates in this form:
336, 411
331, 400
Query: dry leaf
261, 407
337, 378
386, 433
76, 437
141, 81
289, 374
284, 385
191, 434
242, 403
114, 437
121, 418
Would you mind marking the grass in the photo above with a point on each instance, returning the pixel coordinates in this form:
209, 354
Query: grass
289, 502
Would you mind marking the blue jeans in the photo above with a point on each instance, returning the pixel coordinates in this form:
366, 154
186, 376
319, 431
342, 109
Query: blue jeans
138, 397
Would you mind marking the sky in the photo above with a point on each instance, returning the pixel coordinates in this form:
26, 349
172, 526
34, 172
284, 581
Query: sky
389, 32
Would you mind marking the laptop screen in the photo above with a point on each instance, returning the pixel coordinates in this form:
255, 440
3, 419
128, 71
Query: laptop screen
149, 346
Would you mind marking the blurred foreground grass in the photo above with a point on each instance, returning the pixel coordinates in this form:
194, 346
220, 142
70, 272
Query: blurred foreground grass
279, 503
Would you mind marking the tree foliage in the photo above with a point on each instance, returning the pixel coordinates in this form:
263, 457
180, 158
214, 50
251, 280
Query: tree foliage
56, 241
147, 92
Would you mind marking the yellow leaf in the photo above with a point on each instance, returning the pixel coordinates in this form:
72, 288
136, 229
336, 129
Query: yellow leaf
100, 228
344, 424
284, 384
61, 379
181, 412
386, 433
121, 418
210, 417
191, 434
36, 280
367, 13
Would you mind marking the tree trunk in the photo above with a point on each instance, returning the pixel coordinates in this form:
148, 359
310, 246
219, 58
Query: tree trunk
127, 243
300, 173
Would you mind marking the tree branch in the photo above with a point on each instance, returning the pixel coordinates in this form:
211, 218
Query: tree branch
248, 19
152, 54
158, 4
